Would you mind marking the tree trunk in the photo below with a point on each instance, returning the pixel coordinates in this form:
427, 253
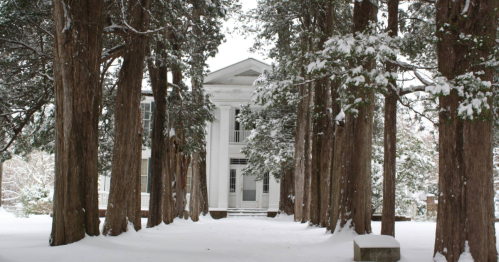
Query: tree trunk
124, 198
77, 54
300, 157
204, 205
351, 191
390, 136
285, 199
160, 187
308, 159
197, 93
194, 203
169, 202
465, 202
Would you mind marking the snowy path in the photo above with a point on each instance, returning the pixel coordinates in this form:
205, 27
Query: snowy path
232, 239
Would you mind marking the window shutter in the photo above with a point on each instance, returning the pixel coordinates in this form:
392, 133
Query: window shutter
149, 176
152, 112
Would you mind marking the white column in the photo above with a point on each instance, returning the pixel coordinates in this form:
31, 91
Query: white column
223, 174
208, 156
274, 192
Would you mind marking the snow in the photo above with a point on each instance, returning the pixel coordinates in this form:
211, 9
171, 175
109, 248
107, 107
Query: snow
380, 241
230, 239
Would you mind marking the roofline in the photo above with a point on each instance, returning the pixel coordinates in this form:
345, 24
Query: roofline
239, 63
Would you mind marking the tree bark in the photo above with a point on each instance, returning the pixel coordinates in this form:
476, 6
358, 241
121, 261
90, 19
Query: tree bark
351, 191
204, 205
287, 187
465, 203
307, 158
169, 202
194, 203
300, 157
124, 198
390, 137
77, 54
196, 197
160, 187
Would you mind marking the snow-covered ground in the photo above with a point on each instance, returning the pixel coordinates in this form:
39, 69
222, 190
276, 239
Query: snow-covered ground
231, 239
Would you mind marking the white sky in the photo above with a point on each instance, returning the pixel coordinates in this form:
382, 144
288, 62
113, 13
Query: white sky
236, 48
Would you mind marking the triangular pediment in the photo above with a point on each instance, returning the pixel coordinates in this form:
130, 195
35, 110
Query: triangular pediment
250, 72
241, 73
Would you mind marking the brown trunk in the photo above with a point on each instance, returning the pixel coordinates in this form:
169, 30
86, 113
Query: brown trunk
196, 200
124, 198
389, 165
204, 205
299, 155
308, 159
315, 192
77, 54
351, 191
301, 124
465, 202
390, 136
168, 202
158, 199
322, 145
180, 159
194, 203
287, 187
300, 159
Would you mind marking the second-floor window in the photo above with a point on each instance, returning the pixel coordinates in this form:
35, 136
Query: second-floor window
146, 116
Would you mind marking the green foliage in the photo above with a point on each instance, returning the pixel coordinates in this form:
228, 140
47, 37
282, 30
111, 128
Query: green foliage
270, 147
416, 170
26, 83
35, 199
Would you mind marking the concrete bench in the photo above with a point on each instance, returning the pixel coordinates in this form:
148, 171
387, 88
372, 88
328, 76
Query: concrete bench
376, 248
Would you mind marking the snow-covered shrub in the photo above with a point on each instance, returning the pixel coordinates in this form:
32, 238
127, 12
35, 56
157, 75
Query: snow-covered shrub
36, 199
23, 176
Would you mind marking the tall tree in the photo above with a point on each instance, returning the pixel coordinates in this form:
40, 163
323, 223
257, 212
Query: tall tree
124, 198
465, 217
160, 182
390, 135
351, 190
77, 55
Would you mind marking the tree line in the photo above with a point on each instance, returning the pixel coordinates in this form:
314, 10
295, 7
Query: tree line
72, 85
335, 63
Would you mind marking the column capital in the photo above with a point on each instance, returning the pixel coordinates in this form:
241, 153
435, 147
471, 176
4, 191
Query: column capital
225, 108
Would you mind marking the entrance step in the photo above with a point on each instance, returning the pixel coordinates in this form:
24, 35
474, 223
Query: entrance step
247, 212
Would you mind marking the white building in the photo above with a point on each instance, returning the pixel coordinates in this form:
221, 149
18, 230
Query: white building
228, 189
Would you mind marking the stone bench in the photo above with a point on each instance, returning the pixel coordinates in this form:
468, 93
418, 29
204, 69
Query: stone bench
376, 248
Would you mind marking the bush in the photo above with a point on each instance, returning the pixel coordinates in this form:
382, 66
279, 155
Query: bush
36, 199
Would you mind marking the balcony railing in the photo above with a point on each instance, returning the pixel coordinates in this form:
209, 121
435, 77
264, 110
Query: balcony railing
144, 200
238, 136
104, 197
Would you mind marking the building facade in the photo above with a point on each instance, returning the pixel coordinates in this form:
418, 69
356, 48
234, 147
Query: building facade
228, 189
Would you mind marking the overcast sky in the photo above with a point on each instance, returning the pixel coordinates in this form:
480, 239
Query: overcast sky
236, 48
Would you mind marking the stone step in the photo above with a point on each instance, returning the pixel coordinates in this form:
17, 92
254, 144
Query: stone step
247, 215
246, 211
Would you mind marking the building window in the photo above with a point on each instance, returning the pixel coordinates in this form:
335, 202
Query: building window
266, 183
238, 161
144, 172
146, 116
232, 181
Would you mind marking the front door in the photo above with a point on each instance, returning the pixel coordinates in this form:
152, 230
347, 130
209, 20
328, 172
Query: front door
249, 192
